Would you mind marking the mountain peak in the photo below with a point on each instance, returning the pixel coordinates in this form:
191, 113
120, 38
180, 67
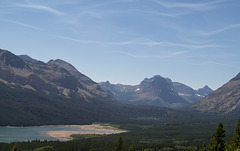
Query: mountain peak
10, 59
62, 63
204, 91
27, 58
206, 87
107, 82
236, 78
72, 70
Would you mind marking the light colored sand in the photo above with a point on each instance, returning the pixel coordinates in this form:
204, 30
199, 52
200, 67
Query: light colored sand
99, 127
66, 135
93, 129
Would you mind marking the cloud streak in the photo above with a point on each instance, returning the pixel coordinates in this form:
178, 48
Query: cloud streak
145, 42
22, 24
219, 30
142, 57
157, 13
42, 8
214, 63
167, 56
187, 5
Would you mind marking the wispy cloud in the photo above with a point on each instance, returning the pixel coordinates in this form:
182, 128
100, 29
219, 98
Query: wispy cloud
180, 52
82, 41
22, 24
214, 63
176, 54
146, 42
198, 6
142, 56
219, 30
42, 8
157, 13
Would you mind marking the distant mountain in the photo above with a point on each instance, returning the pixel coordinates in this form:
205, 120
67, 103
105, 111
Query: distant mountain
226, 99
156, 91
202, 92
189, 93
123, 93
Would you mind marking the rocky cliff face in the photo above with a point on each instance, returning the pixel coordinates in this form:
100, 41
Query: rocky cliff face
85, 81
159, 92
55, 77
226, 99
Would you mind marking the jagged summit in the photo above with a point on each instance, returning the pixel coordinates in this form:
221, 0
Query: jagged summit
156, 91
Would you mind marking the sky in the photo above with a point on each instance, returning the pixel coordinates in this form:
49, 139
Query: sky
124, 41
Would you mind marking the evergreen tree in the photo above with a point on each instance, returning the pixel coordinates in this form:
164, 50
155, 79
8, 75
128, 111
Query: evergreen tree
218, 139
15, 148
131, 148
236, 138
118, 144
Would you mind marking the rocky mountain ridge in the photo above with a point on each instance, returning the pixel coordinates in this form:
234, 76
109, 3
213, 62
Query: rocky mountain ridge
55, 77
189, 93
156, 91
224, 100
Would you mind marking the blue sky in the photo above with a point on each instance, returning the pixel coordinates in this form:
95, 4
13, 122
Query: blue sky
124, 41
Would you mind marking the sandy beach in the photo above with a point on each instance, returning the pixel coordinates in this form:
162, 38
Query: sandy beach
89, 129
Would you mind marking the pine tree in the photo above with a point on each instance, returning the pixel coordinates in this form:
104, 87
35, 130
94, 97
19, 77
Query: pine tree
218, 139
15, 148
118, 144
131, 148
236, 138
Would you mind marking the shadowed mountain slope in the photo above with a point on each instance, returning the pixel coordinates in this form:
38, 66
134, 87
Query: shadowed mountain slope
226, 99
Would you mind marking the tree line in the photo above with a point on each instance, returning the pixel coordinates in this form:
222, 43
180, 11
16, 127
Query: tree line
218, 143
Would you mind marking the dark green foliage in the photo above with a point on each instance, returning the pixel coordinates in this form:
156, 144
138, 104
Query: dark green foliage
15, 148
44, 148
236, 138
118, 144
84, 136
178, 135
218, 143
131, 148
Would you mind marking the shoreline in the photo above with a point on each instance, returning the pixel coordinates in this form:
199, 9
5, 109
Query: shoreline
97, 129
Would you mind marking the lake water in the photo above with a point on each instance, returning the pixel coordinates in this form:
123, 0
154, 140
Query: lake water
19, 134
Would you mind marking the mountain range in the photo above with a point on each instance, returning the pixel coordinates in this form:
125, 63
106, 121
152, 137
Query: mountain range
156, 91
36, 93
33, 92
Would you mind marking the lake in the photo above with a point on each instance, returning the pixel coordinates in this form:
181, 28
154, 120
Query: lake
19, 134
